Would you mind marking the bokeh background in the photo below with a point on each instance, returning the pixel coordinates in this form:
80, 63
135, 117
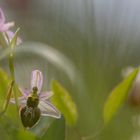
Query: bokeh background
100, 38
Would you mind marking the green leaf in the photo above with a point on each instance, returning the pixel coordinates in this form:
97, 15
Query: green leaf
3, 42
63, 101
118, 96
56, 130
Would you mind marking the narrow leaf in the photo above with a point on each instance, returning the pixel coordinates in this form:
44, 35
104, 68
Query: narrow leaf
63, 101
118, 96
3, 42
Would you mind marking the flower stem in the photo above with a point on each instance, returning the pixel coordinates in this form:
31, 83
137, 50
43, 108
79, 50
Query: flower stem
12, 72
11, 66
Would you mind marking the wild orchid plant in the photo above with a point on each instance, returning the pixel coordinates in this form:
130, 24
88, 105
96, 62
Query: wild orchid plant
33, 102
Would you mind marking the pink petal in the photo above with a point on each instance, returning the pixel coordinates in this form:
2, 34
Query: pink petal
37, 80
21, 100
45, 95
25, 92
6, 26
48, 109
2, 17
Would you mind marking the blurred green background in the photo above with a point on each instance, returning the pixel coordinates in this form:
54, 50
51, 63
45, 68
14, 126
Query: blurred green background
100, 37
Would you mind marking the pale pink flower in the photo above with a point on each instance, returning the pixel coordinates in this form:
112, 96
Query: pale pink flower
45, 105
4, 26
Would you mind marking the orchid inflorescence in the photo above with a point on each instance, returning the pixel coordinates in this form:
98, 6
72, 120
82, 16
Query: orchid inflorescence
33, 102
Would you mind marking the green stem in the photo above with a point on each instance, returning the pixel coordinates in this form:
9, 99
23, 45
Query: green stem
11, 67
12, 72
5, 44
11, 44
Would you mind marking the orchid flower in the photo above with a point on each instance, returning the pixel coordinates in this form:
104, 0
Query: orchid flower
4, 27
34, 98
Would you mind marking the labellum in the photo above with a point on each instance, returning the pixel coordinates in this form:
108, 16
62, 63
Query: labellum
30, 113
29, 116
